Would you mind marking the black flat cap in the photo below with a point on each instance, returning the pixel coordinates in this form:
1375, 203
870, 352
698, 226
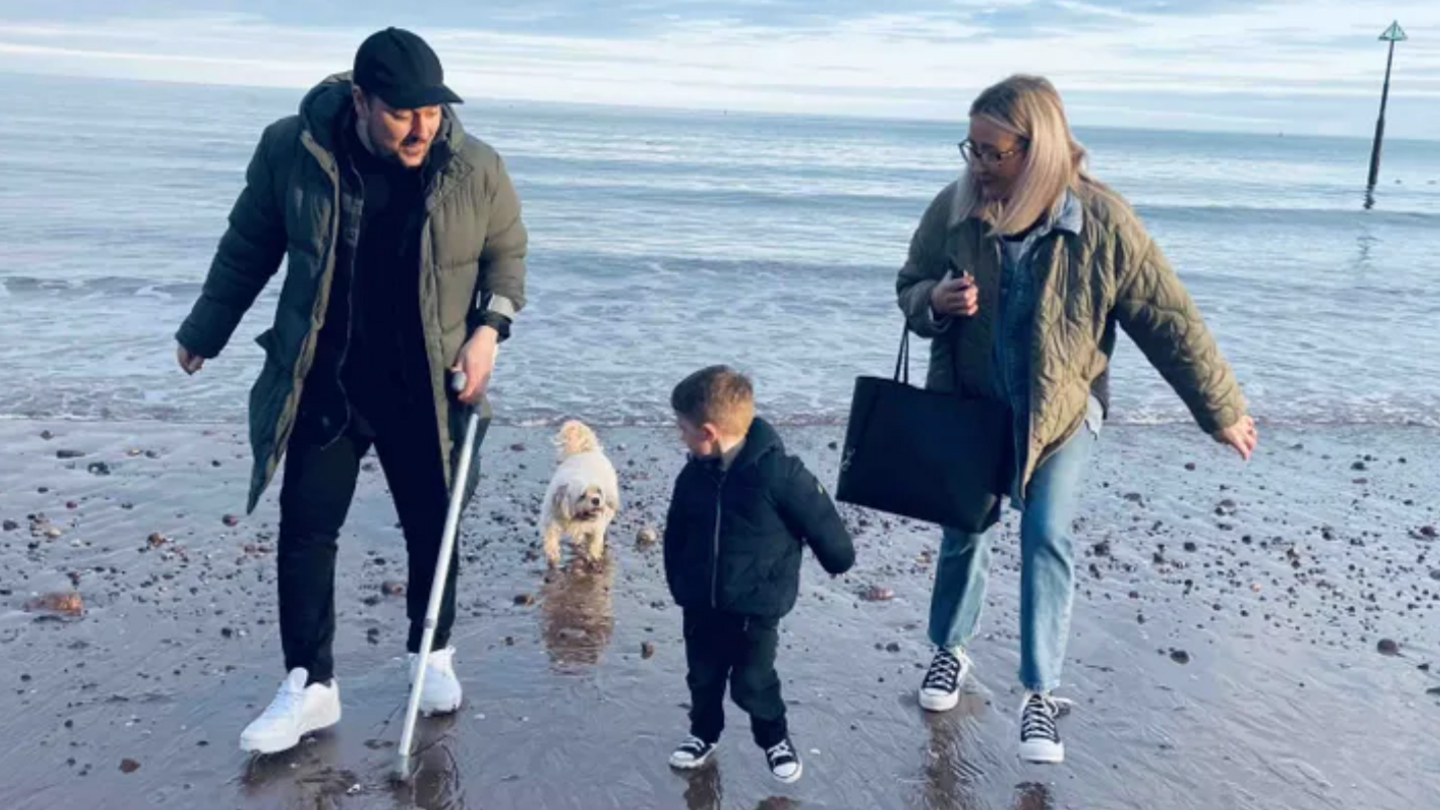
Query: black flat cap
400, 68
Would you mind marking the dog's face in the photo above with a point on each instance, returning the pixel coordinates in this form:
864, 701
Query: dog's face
583, 505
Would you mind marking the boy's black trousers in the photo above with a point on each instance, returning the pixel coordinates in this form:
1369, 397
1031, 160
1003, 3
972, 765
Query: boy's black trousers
726, 647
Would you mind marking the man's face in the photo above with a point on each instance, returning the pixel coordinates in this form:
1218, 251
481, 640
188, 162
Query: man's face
403, 136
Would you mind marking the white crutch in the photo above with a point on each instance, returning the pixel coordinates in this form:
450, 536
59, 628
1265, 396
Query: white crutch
437, 587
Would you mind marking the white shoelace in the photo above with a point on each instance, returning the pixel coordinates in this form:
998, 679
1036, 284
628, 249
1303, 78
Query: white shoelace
693, 745
944, 674
779, 750
1038, 719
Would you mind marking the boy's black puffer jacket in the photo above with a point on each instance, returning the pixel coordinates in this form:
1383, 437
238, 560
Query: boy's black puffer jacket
733, 538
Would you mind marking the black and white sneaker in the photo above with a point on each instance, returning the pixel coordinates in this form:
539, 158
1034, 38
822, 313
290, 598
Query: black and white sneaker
784, 761
691, 754
1039, 738
940, 691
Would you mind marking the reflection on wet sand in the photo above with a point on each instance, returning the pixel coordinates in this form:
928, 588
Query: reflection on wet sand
437, 782
703, 791
577, 613
956, 762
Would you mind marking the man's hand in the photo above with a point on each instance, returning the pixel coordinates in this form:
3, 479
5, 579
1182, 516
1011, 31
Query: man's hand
1242, 436
956, 296
477, 360
189, 363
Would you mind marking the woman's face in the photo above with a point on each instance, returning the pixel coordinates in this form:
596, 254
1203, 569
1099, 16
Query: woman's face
996, 158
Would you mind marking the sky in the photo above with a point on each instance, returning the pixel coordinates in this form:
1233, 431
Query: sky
1293, 66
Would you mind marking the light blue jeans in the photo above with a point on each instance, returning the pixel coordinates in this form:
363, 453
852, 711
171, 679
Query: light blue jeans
1047, 573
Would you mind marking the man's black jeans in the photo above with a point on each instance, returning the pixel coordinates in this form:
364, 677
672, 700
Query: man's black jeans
721, 647
318, 486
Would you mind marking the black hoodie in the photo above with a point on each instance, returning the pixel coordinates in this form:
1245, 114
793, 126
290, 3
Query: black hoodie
733, 538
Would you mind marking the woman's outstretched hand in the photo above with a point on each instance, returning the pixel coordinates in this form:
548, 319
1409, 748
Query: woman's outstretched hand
1241, 436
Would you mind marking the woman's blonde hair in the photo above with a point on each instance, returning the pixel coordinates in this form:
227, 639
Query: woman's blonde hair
1030, 108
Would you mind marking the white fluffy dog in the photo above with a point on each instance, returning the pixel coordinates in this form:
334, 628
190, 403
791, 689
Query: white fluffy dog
583, 496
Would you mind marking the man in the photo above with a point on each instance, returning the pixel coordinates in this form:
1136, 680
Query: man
406, 263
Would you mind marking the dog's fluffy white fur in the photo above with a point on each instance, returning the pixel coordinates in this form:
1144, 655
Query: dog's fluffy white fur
583, 496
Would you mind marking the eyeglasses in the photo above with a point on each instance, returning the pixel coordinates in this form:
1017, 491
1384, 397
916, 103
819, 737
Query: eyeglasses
987, 155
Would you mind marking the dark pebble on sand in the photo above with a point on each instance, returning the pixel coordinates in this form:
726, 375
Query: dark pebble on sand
227, 632
1101, 549
1388, 646
1358, 466
11, 525
98, 468
373, 635
647, 536
392, 588
214, 463
156, 540
1190, 546
893, 647
1433, 691
524, 600
68, 454
230, 520
1190, 466
46, 435
834, 445
128, 765
1135, 497
647, 650
509, 641
517, 448
1180, 656
1424, 667
1428, 532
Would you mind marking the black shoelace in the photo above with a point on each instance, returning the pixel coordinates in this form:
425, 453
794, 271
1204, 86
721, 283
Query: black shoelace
944, 673
1038, 721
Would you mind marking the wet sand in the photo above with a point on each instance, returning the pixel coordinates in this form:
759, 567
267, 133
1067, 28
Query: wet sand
1226, 651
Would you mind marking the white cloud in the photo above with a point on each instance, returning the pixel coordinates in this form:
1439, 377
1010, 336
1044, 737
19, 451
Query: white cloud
921, 64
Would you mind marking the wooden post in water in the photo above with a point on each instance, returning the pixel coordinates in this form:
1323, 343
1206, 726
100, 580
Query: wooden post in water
1393, 34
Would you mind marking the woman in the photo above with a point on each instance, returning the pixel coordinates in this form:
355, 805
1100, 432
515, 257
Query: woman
1046, 262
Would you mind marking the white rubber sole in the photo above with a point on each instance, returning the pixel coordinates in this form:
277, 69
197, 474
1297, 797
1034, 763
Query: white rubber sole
275, 744
792, 778
1042, 753
693, 764
939, 701
440, 709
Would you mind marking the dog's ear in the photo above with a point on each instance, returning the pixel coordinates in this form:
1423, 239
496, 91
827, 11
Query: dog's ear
560, 502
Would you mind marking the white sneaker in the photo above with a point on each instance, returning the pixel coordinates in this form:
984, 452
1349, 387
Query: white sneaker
940, 691
440, 694
1039, 738
296, 711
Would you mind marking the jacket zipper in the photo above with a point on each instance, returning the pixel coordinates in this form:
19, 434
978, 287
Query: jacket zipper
715, 555
349, 302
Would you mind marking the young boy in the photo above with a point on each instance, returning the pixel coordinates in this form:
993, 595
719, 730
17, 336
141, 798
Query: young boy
741, 514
